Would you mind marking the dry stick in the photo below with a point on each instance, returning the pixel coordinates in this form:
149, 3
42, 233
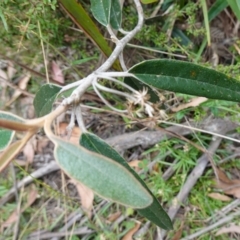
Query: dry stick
48, 235
224, 211
148, 138
191, 180
213, 226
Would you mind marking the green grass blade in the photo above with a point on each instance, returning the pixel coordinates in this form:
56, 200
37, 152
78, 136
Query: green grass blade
82, 19
217, 7
3, 20
235, 6
206, 21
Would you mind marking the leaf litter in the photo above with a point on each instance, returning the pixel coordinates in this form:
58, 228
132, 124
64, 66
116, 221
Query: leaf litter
227, 185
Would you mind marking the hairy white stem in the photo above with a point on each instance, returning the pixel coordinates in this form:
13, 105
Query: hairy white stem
72, 85
120, 44
123, 31
80, 119
114, 74
106, 89
72, 123
106, 102
118, 82
121, 59
112, 34
155, 50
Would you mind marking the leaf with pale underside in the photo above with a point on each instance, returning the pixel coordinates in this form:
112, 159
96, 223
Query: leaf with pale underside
44, 99
153, 212
104, 176
115, 14
188, 78
7, 135
107, 12
101, 11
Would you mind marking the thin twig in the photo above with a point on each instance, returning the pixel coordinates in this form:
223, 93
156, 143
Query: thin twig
48, 235
203, 131
149, 138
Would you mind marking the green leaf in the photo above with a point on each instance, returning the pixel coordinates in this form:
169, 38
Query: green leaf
3, 20
82, 19
235, 6
107, 12
44, 99
188, 78
101, 11
148, 1
154, 212
115, 14
217, 7
101, 174
6, 135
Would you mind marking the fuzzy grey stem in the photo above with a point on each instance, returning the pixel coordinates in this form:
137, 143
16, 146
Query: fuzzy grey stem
80, 119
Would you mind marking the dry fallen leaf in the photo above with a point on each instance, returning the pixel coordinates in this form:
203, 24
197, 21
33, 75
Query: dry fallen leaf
22, 84
131, 232
134, 163
26, 104
57, 74
31, 197
178, 233
21, 163
11, 70
220, 197
194, 103
233, 228
61, 130
231, 187
42, 142
29, 149
3, 85
86, 196
112, 217
3, 77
